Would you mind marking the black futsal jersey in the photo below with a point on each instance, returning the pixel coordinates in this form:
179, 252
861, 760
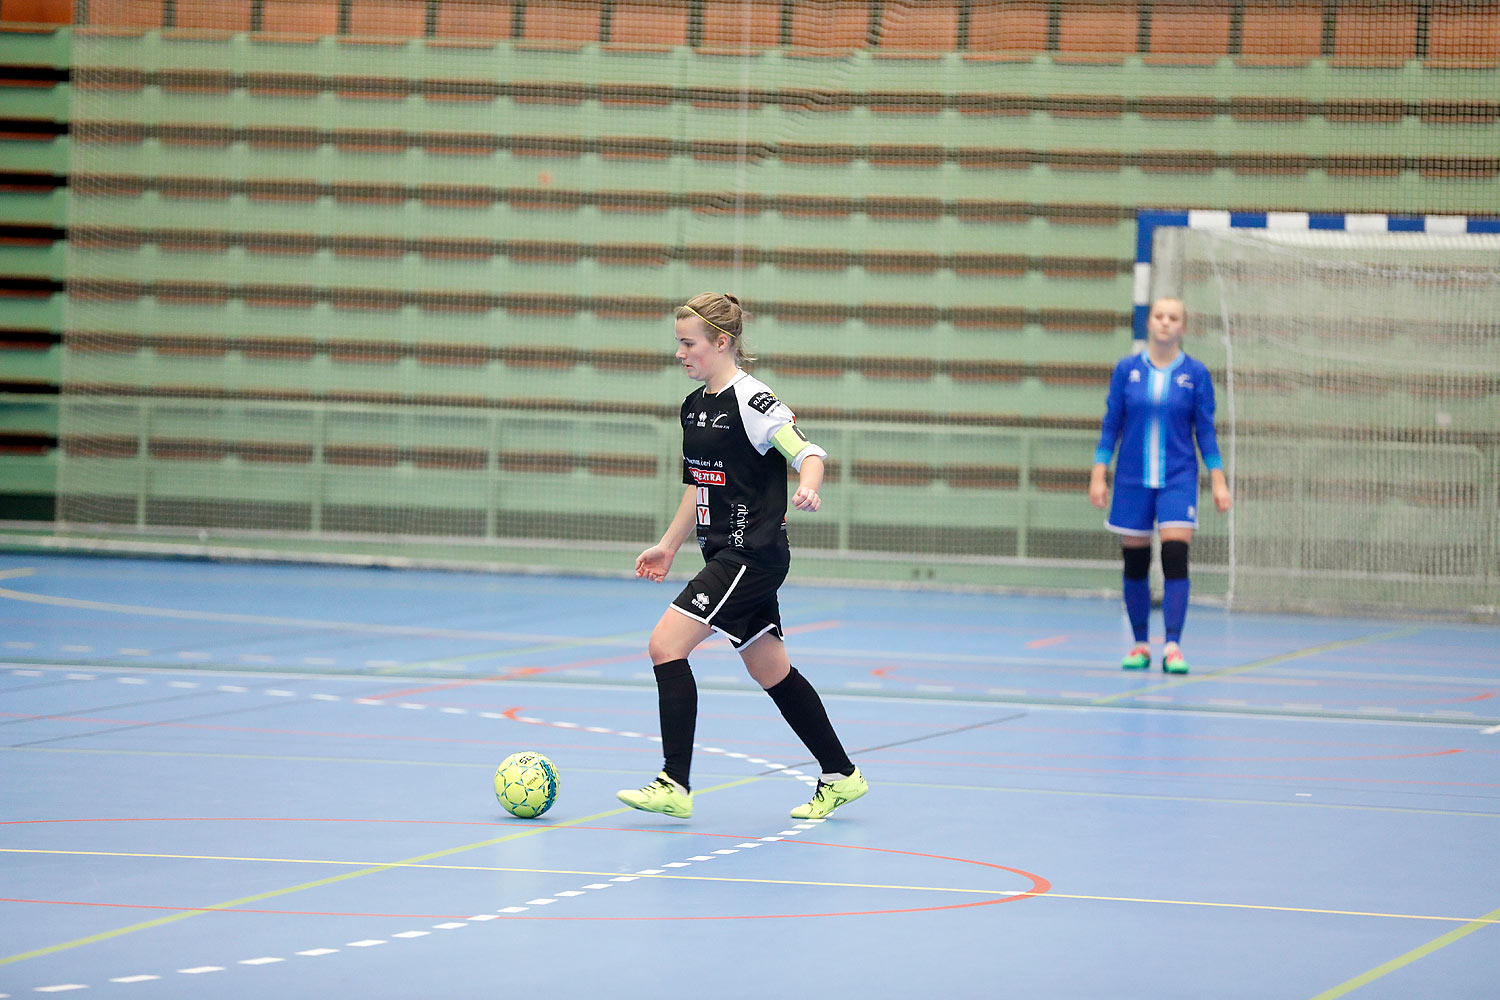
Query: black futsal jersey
740, 477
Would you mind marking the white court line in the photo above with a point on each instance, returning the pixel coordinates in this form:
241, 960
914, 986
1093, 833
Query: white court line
309, 623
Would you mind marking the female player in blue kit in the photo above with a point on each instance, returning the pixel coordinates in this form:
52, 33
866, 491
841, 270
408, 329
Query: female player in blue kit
1159, 401
737, 439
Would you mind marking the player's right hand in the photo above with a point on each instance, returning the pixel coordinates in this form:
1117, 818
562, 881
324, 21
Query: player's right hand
1099, 493
653, 563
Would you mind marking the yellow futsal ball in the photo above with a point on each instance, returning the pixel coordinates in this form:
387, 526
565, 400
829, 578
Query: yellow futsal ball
526, 784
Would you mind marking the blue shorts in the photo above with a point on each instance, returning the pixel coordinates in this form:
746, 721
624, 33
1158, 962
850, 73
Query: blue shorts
1136, 509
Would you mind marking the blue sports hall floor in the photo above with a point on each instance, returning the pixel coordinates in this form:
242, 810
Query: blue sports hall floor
231, 781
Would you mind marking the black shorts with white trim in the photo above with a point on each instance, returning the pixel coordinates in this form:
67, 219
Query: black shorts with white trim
734, 599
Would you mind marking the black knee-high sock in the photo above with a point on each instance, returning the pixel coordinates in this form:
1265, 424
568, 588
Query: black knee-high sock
677, 703
804, 712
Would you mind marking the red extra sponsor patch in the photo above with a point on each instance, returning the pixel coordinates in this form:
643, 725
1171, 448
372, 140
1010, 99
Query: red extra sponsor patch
708, 477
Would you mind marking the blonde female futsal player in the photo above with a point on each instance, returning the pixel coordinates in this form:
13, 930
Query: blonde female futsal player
1159, 401
737, 439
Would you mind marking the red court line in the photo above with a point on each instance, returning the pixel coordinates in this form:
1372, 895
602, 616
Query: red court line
516, 672
511, 674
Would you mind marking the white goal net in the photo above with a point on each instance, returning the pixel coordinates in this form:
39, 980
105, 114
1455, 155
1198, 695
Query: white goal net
1359, 412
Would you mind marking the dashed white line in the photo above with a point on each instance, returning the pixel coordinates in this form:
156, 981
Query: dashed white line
454, 925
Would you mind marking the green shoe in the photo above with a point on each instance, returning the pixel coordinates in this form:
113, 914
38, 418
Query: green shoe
1173, 663
830, 795
1138, 658
661, 796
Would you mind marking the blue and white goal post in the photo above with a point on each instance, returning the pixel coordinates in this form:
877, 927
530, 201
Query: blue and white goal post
1149, 220
1356, 365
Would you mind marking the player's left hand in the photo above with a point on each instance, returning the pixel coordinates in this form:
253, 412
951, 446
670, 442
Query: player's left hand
806, 499
1222, 500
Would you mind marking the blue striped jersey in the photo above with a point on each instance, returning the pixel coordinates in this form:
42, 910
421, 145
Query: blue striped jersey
1153, 415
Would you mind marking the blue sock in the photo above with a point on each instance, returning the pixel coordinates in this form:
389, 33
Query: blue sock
1138, 606
1174, 604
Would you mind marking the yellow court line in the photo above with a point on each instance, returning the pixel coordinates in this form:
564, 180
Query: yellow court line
523, 871
228, 904
1470, 923
11, 574
1401, 961
1486, 919
924, 785
1215, 675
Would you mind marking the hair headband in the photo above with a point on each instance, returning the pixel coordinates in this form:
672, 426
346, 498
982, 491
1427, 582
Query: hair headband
711, 323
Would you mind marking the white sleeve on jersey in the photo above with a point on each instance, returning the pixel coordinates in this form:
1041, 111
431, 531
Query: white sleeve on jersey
764, 416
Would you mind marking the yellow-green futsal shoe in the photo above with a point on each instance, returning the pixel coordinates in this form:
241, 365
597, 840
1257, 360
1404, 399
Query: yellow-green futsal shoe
830, 795
661, 796
1138, 658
